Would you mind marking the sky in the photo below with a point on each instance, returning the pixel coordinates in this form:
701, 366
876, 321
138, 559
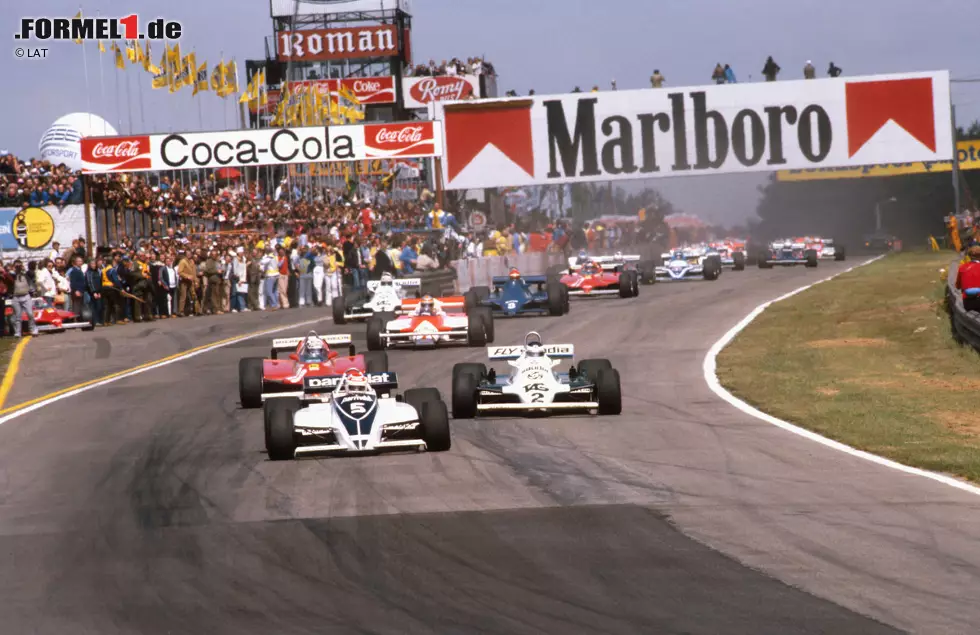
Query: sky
548, 45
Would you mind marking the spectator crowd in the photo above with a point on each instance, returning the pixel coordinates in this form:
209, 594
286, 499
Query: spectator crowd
472, 66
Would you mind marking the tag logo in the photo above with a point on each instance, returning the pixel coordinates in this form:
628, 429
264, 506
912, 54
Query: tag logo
907, 102
506, 125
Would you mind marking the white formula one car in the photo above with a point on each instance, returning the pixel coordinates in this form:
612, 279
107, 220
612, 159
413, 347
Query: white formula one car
355, 413
731, 252
689, 263
532, 385
827, 250
384, 296
428, 325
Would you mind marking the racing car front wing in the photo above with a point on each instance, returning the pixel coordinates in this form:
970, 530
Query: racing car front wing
564, 405
580, 293
47, 328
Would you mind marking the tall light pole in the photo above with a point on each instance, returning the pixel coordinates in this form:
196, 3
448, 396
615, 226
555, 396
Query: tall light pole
878, 211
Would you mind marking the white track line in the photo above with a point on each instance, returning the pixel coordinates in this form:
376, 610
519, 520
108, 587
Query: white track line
137, 371
711, 377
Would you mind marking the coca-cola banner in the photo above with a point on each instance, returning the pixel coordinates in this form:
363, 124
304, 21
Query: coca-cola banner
642, 134
367, 90
270, 146
421, 91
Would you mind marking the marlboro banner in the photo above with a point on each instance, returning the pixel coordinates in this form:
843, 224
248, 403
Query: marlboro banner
717, 129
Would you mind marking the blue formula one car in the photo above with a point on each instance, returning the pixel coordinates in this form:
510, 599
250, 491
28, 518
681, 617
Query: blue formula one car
516, 295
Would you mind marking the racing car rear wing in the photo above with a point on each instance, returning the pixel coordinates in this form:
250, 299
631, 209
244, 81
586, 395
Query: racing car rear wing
373, 285
379, 381
290, 343
500, 281
454, 302
554, 351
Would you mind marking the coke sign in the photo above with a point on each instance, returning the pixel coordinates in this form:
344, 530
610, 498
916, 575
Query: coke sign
101, 154
422, 91
401, 139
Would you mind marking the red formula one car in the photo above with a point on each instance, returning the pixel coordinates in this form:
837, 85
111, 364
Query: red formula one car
50, 319
429, 324
602, 276
260, 379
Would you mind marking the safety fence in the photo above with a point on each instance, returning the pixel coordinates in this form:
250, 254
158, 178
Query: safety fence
965, 324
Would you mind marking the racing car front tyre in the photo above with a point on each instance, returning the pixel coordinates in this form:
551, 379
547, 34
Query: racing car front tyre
375, 326
635, 277
376, 362
416, 397
464, 396
567, 305
739, 259
478, 370
811, 259
476, 330
281, 434
591, 367
712, 268
764, 262
435, 426
556, 300
250, 382
608, 392
339, 310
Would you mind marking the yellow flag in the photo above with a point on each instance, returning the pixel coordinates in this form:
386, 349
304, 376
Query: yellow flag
249, 94
188, 66
161, 77
78, 16
230, 79
147, 63
217, 77
173, 67
120, 60
101, 47
201, 78
130, 52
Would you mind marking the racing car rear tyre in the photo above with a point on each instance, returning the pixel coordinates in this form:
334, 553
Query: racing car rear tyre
250, 382
464, 396
556, 300
487, 314
840, 255
764, 261
591, 367
281, 434
375, 326
478, 370
739, 259
482, 294
376, 362
435, 426
811, 259
625, 286
476, 330
565, 298
712, 268
339, 310
416, 397
608, 392
648, 272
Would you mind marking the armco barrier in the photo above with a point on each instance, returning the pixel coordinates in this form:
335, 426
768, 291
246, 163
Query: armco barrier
965, 324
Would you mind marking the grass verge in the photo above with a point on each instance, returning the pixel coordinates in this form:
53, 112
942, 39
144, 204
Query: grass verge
867, 359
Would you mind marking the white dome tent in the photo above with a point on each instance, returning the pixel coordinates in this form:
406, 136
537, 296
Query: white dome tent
61, 143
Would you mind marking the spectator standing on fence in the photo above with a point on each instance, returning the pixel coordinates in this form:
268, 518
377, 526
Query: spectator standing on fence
729, 75
968, 279
718, 75
833, 70
77, 285
21, 292
809, 71
656, 80
770, 70
93, 290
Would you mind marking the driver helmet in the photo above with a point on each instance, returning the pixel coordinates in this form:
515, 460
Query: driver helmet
583, 256
314, 350
533, 346
356, 381
515, 274
387, 279
427, 306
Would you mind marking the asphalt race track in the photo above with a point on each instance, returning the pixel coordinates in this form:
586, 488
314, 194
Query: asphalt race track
148, 505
